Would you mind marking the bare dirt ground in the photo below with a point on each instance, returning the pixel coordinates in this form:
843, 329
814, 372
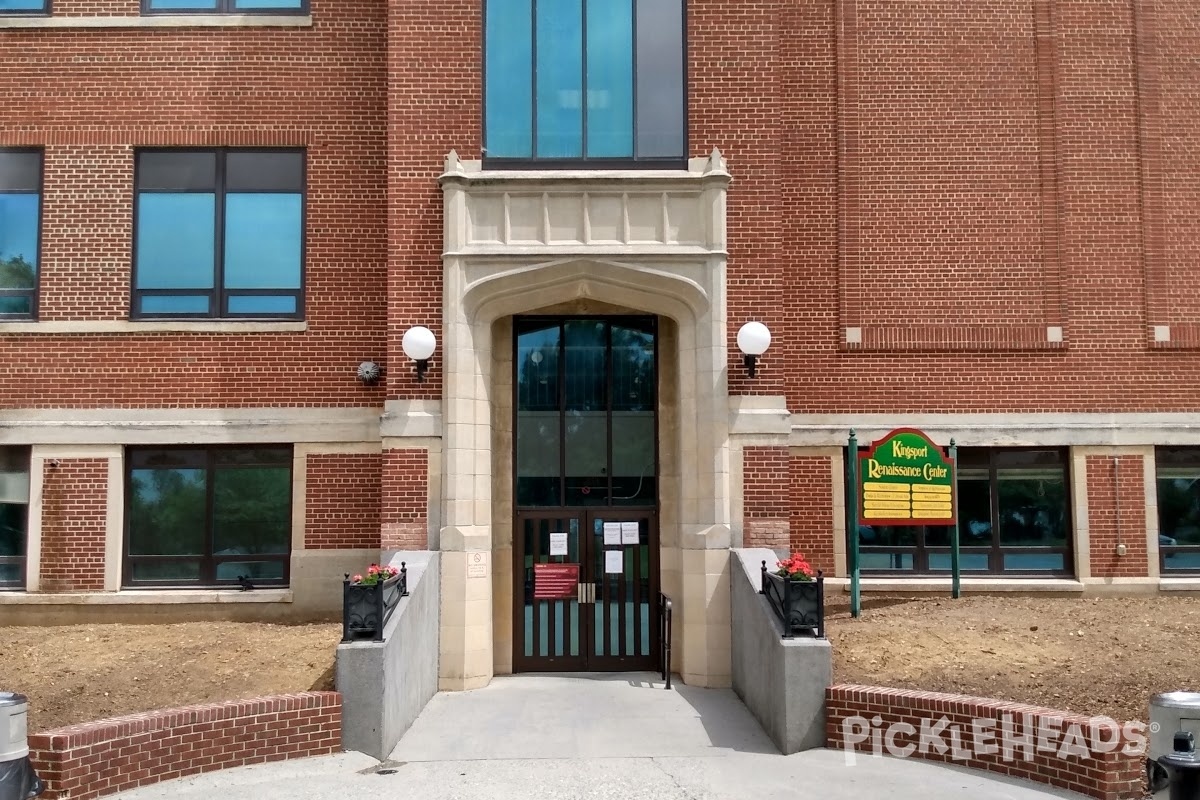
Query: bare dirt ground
87, 672
1103, 656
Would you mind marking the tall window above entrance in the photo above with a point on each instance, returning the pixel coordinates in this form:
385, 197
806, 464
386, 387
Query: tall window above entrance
584, 81
585, 412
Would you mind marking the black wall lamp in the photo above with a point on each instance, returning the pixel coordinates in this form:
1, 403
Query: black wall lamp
418, 344
753, 340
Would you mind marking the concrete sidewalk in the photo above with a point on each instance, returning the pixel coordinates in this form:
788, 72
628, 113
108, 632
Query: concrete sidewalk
592, 736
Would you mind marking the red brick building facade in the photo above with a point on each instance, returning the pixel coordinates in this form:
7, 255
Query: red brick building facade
973, 218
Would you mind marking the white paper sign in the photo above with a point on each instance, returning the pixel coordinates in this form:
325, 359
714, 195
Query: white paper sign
614, 561
612, 533
629, 533
558, 544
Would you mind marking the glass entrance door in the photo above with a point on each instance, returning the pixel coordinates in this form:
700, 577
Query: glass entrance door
586, 488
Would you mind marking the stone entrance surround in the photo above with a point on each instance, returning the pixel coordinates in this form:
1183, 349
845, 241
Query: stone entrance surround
650, 242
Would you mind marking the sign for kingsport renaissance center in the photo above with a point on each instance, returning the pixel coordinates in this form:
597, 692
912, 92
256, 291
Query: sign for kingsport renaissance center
906, 479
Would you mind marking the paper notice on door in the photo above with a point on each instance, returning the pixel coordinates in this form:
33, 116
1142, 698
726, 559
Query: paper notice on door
629, 533
612, 533
614, 561
558, 544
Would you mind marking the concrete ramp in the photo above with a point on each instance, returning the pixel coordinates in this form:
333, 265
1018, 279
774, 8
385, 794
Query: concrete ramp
628, 715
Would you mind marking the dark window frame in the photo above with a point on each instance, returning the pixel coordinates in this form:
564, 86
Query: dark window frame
219, 294
583, 162
208, 561
21, 561
34, 294
919, 552
44, 11
1166, 551
226, 7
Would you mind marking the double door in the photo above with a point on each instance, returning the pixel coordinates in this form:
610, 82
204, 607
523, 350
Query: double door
586, 590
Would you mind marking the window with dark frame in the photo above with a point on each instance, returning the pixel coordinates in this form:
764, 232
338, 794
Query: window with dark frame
208, 516
224, 6
585, 83
20, 231
14, 515
219, 234
1014, 518
1178, 482
24, 7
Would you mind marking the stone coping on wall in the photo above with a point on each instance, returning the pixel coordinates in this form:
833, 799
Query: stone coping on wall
1094, 756
99, 758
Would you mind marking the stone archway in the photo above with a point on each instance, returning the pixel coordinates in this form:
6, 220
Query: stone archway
491, 283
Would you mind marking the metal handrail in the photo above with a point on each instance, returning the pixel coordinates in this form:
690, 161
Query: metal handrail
664, 634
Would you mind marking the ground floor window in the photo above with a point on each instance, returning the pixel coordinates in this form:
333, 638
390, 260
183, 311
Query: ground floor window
14, 515
1178, 479
1014, 518
208, 517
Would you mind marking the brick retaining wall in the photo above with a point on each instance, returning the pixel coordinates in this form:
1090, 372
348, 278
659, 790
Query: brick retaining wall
93, 759
1053, 756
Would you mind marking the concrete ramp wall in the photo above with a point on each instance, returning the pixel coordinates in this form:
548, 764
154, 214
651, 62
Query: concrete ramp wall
385, 685
782, 681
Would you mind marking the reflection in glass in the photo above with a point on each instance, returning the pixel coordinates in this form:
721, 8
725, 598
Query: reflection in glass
263, 237
176, 241
251, 510
585, 411
19, 240
538, 445
509, 54
166, 512
609, 78
1032, 507
559, 79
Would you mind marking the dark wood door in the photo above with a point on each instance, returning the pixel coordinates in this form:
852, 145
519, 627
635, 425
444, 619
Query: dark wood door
586, 590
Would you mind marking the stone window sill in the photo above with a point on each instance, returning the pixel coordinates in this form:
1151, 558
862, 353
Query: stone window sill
157, 326
147, 597
163, 21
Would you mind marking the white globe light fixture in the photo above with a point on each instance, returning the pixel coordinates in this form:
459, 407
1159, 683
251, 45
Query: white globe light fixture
753, 340
419, 344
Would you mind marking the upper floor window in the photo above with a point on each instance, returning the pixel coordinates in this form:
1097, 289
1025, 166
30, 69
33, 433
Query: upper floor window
24, 6
14, 515
223, 6
219, 233
594, 81
20, 223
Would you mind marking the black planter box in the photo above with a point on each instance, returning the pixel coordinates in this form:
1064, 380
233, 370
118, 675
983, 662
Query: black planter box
800, 605
367, 609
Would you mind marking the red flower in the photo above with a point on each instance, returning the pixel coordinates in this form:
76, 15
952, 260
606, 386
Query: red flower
796, 567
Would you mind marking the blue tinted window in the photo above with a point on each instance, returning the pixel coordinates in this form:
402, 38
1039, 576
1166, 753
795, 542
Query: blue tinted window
20, 224
263, 234
18, 240
509, 112
183, 5
262, 304
174, 304
226, 6
22, 5
610, 79
204, 249
560, 80
176, 247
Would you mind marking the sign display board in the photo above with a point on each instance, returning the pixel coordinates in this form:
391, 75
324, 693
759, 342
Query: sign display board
555, 581
906, 479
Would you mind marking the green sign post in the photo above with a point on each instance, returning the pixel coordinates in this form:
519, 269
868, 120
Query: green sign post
902, 479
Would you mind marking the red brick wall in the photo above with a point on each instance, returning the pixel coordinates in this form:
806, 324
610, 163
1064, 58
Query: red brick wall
1117, 504
811, 496
90, 97
1111, 775
435, 104
405, 500
342, 494
74, 520
109, 756
765, 497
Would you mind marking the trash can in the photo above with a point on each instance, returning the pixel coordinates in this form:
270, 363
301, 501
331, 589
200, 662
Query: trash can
1170, 713
1182, 768
18, 781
